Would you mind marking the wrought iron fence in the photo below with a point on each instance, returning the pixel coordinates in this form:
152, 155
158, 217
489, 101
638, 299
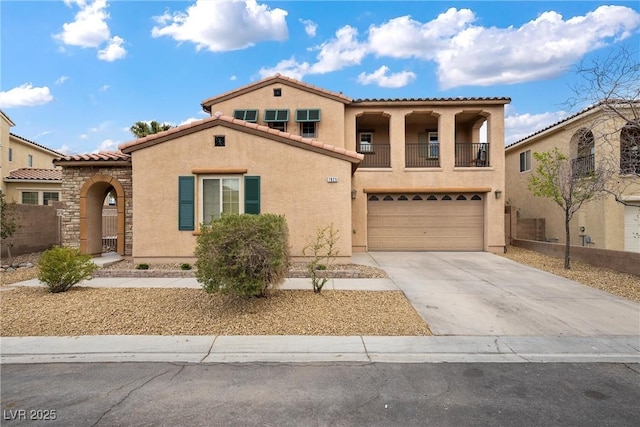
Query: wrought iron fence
472, 154
375, 155
422, 155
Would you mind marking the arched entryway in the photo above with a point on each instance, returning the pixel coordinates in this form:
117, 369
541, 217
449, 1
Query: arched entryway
92, 197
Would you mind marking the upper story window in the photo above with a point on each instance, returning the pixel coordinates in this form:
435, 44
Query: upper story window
365, 142
429, 145
308, 122
630, 149
11, 154
246, 115
277, 119
525, 161
29, 160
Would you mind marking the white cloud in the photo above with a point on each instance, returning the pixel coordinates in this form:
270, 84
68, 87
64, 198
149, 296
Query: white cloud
107, 145
380, 78
90, 30
61, 80
519, 126
113, 51
233, 78
540, 49
223, 25
344, 50
41, 134
25, 96
104, 88
310, 27
189, 120
65, 149
84, 136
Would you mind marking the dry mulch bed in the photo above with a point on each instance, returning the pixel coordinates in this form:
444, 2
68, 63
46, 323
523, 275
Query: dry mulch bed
111, 311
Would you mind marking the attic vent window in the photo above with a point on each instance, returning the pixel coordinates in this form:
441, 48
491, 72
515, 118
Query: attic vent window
308, 115
246, 115
219, 141
277, 92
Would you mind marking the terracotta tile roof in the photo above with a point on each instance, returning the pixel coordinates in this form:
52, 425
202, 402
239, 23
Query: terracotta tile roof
35, 174
219, 118
96, 157
459, 99
36, 144
338, 96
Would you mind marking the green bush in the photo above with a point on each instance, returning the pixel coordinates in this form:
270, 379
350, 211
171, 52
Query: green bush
243, 254
142, 266
62, 267
185, 266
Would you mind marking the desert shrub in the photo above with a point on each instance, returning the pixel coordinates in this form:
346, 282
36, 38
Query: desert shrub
321, 250
243, 254
185, 266
142, 266
63, 267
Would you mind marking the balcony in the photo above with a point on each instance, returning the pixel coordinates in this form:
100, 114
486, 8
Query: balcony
583, 166
422, 155
472, 155
375, 155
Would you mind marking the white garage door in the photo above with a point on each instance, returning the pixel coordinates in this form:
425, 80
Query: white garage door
632, 228
425, 222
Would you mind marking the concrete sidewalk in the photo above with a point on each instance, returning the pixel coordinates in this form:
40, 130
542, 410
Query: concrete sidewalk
309, 349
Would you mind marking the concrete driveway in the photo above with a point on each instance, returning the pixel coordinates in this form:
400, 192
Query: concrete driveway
479, 293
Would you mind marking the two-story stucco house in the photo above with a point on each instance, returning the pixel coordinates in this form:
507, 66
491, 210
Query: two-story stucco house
402, 174
594, 136
27, 170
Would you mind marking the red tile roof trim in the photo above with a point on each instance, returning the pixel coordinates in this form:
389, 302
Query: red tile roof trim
35, 174
95, 157
35, 143
218, 116
206, 104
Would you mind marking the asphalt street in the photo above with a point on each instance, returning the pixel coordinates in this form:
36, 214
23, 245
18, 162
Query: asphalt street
336, 394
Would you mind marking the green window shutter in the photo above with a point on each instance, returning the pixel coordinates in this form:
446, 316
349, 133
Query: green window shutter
308, 115
246, 115
252, 194
186, 203
276, 115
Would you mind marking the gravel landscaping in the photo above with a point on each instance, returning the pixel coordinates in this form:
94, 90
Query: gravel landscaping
92, 311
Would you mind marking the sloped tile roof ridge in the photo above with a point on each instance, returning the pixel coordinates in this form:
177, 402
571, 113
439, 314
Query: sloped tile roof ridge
277, 77
36, 144
265, 129
36, 174
573, 116
458, 98
100, 155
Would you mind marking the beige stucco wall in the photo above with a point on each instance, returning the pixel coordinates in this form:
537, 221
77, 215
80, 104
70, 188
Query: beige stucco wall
446, 176
42, 159
603, 219
14, 189
330, 128
293, 183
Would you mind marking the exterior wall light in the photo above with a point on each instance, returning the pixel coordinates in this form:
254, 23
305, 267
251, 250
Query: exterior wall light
498, 193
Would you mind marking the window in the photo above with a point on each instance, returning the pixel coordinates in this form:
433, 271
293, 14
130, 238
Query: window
246, 115
307, 120
434, 145
29, 197
429, 145
11, 154
50, 196
219, 141
308, 130
219, 195
525, 161
277, 119
29, 160
277, 92
630, 148
366, 142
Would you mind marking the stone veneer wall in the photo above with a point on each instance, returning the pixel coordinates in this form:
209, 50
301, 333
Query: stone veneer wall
73, 178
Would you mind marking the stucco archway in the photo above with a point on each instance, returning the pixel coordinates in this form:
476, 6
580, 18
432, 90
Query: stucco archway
92, 195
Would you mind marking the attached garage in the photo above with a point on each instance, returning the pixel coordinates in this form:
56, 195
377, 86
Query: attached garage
632, 228
425, 222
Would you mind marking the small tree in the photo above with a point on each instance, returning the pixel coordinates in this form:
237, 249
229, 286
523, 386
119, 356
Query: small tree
243, 254
568, 184
142, 129
8, 224
322, 250
63, 267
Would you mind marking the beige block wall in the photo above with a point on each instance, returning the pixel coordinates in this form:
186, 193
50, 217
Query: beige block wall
293, 183
445, 176
603, 219
330, 129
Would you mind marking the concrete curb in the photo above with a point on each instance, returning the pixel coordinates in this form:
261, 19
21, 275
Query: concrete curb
322, 349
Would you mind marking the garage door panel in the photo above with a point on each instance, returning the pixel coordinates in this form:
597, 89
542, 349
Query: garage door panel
425, 225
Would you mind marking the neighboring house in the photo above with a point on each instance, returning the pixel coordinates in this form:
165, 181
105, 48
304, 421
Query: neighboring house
591, 137
28, 173
403, 174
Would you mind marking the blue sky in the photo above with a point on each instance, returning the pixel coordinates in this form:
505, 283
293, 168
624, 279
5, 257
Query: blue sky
76, 74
